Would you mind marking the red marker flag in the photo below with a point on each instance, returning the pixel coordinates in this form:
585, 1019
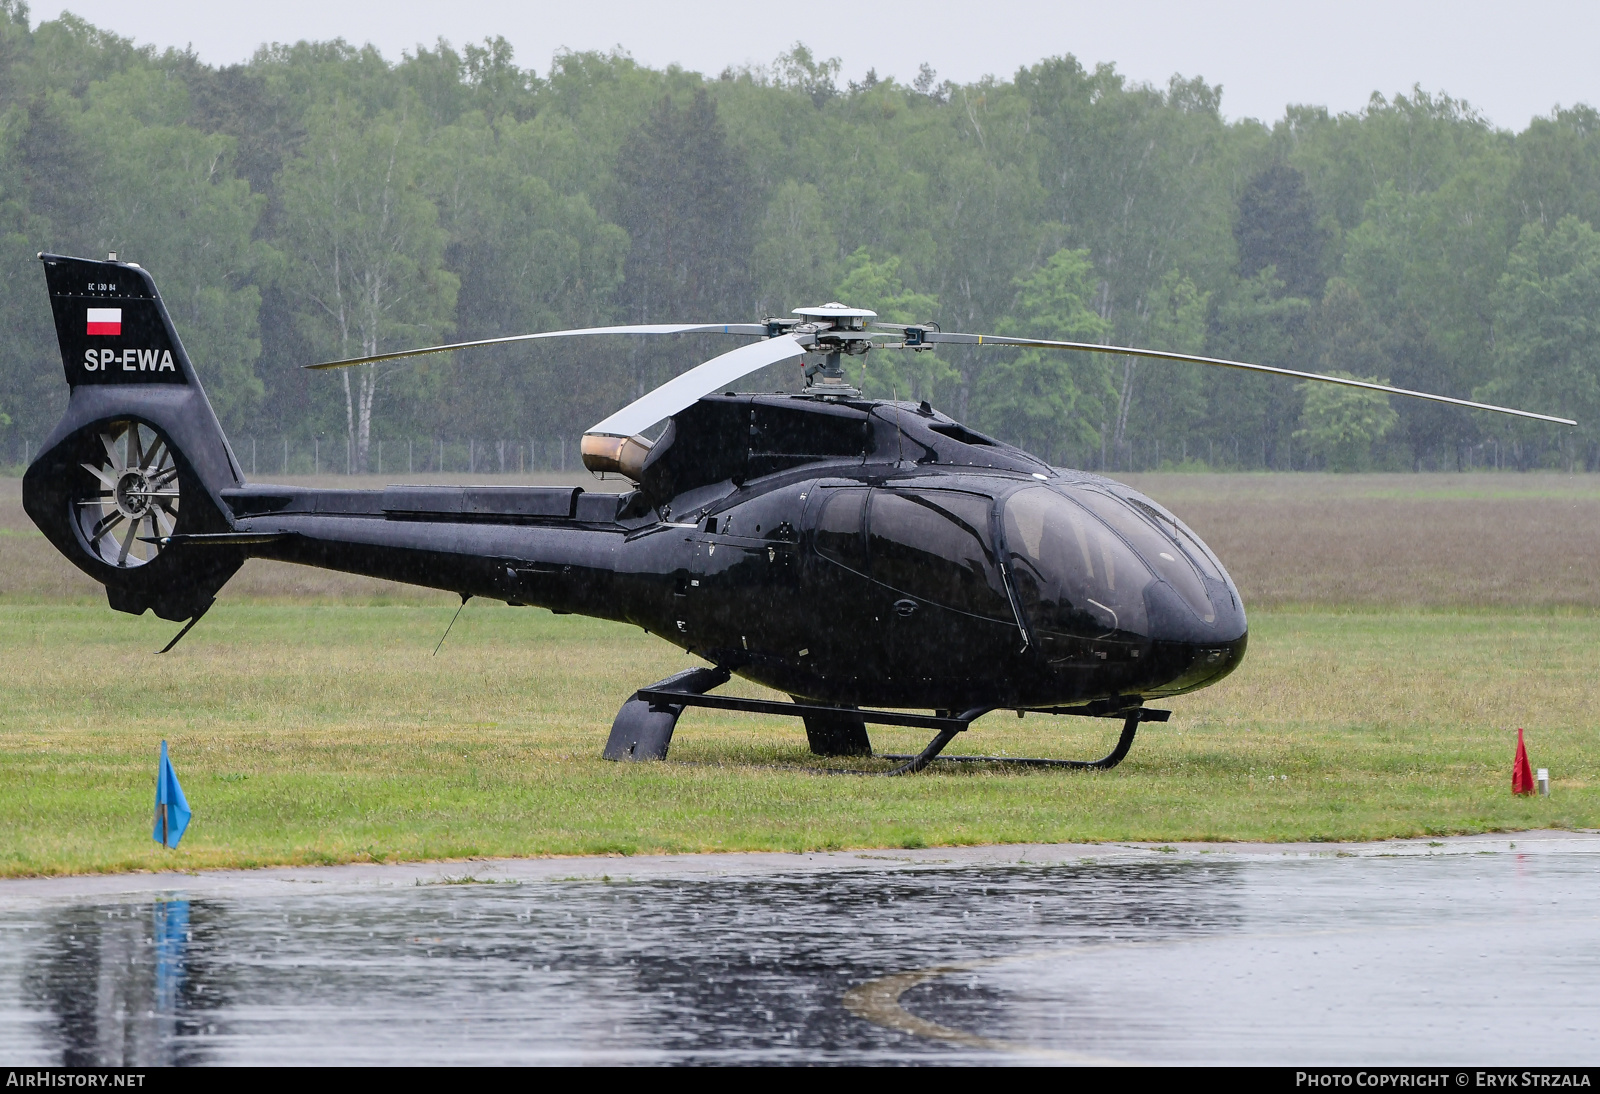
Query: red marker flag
105, 321
1521, 773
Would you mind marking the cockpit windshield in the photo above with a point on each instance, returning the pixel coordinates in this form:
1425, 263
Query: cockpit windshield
1072, 575
1170, 560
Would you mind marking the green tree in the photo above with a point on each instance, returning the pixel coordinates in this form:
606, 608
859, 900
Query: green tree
366, 251
529, 258
795, 260
1142, 177
684, 200
168, 198
895, 373
1168, 401
56, 181
799, 70
1278, 227
1341, 424
1413, 144
1047, 400
1558, 168
1438, 256
1349, 336
1257, 321
1548, 324
1417, 187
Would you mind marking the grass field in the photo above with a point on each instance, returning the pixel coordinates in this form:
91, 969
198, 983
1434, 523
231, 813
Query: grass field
1417, 620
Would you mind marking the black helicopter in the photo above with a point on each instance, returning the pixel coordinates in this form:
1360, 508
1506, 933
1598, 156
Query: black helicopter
856, 554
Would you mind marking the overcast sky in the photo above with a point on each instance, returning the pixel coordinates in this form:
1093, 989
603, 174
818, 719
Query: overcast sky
1510, 60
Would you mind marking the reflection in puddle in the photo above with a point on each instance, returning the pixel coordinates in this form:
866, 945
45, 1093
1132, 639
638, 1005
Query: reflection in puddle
723, 970
119, 986
1178, 960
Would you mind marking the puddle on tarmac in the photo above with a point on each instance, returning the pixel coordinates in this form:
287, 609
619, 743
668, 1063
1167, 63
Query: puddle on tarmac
1450, 959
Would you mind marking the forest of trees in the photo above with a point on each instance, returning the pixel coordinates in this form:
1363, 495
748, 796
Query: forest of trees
323, 201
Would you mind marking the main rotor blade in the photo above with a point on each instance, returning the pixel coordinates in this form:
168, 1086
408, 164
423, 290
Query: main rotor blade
1165, 355
648, 328
684, 390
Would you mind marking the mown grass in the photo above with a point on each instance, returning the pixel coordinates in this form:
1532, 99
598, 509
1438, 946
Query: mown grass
328, 733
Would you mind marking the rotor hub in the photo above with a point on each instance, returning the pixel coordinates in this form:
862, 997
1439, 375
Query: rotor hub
132, 493
834, 332
836, 316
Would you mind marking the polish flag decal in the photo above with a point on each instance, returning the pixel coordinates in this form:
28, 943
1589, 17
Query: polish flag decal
105, 321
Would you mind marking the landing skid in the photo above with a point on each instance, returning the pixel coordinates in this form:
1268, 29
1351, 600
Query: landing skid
643, 727
1130, 726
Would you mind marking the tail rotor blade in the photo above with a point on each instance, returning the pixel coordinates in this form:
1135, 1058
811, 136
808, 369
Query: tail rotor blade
915, 336
756, 329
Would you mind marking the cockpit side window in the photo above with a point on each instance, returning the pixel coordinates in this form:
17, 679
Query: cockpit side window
839, 528
1072, 576
1164, 555
935, 544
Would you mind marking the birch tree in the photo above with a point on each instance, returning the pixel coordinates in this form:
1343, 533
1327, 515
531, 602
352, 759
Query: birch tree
364, 251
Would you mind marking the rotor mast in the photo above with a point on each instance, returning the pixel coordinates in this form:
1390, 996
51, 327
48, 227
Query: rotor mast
834, 332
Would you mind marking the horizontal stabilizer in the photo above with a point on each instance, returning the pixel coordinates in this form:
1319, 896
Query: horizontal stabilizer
220, 539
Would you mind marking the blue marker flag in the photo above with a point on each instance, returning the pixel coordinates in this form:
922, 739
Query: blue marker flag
172, 808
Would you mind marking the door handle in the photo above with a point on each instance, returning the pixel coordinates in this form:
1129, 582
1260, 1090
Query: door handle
905, 609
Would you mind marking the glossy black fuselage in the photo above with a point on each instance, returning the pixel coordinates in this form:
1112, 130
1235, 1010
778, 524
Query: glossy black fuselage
845, 552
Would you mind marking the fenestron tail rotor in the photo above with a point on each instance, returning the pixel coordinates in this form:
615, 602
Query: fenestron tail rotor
131, 502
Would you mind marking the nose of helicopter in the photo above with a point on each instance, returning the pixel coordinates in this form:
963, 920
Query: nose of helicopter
1194, 617
1115, 564
1186, 651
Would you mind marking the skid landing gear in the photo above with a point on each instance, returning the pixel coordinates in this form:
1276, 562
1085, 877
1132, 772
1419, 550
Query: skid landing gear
1130, 726
643, 727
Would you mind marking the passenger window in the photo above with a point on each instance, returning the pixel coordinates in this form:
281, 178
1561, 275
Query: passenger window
1072, 576
1165, 556
838, 532
935, 544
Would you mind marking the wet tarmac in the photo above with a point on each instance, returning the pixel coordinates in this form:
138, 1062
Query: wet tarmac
1455, 952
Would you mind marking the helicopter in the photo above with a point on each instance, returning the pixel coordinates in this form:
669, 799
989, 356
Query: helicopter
869, 558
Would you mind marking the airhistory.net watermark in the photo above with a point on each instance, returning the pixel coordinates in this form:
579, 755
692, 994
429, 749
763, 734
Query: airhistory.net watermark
52, 1078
